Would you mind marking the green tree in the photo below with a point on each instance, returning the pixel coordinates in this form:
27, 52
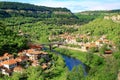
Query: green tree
103, 49
77, 73
9, 40
34, 73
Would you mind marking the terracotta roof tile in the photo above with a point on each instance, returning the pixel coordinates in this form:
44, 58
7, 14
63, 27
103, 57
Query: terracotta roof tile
9, 62
21, 58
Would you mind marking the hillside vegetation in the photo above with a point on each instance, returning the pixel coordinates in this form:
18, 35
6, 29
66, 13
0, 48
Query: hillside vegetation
21, 23
48, 15
102, 26
87, 16
10, 41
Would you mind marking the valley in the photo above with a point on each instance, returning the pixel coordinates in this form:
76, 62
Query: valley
89, 38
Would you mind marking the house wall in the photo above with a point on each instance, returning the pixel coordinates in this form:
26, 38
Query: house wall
10, 66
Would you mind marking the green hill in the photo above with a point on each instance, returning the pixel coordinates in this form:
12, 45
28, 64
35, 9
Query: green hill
45, 14
87, 16
102, 26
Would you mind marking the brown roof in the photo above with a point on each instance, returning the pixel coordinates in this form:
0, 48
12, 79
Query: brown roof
18, 69
99, 40
35, 46
44, 66
6, 55
35, 63
91, 45
21, 58
32, 51
108, 51
9, 62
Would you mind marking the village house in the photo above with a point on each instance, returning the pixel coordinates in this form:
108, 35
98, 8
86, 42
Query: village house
99, 43
35, 63
44, 66
34, 54
9, 64
70, 40
5, 57
87, 46
21, 59
108, 52
18, 69
6, 71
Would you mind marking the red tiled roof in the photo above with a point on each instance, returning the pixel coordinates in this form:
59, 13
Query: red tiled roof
9, 62
32, 51
21, 58
6, 55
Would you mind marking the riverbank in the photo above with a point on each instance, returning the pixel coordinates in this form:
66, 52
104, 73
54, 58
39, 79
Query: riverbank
90, 59
73, 53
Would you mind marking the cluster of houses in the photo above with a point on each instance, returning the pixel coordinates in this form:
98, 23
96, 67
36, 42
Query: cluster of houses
115, 18
97, 44
10, 63
85, 45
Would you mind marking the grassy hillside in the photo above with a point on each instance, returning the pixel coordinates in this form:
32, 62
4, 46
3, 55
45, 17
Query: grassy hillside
102, 26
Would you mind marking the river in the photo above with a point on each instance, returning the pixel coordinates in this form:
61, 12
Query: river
71, 62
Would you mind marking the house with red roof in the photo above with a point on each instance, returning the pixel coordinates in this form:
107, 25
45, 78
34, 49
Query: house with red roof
9, 64
21, 59
6, 56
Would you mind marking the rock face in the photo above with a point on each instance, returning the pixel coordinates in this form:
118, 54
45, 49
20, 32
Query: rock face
29, 10
115, 18
47, 15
